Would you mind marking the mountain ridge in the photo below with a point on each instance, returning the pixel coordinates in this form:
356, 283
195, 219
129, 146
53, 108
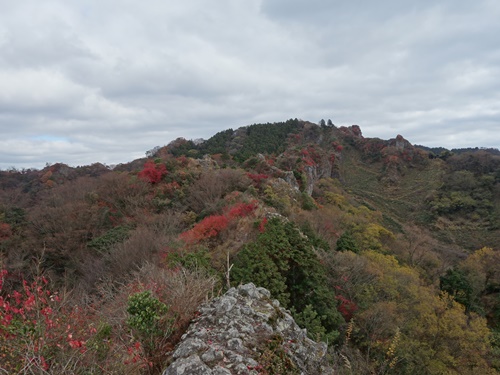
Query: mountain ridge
386, 251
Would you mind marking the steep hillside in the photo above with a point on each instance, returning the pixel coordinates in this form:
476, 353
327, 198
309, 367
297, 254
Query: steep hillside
383, 250
409, 185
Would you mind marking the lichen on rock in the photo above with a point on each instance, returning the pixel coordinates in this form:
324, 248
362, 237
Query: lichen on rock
246, 332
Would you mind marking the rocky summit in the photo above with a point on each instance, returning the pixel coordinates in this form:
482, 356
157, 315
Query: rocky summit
246, 332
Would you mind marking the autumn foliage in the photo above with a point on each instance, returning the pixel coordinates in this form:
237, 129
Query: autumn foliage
242, 210
357, 268
346, 307
257, 178
36, 330
209, 227
153, 173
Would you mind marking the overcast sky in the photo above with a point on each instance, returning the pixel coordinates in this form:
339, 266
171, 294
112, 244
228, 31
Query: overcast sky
85, 81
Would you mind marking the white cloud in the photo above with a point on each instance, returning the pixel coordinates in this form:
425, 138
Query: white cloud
107, 80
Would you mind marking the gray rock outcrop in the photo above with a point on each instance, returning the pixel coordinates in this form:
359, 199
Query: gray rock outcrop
246, 332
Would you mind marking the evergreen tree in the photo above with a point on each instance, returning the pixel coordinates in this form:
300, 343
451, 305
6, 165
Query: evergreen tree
346, 243
283, 260
455, 283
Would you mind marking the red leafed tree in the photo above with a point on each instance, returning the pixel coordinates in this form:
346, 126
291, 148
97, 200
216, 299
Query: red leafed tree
153, 173
209, 227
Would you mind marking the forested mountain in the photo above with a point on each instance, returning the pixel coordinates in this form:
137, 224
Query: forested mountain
386, 251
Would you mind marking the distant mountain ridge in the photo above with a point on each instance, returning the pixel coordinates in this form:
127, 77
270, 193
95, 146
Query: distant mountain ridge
307, 152
439, 150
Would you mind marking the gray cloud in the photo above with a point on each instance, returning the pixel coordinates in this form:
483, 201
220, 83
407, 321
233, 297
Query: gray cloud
107, 80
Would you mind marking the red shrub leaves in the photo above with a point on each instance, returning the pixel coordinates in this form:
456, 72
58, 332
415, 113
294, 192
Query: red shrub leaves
310, 155
153, 173
257, 178
209, 227
35, 327
242, 210
212, 226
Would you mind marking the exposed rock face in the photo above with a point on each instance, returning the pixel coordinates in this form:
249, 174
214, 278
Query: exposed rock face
327, 168
206, 163
289, 177
400, 143
353, 130
312, 176
245, 332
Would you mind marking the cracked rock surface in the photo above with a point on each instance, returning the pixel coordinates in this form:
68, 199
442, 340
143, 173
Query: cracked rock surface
245, 332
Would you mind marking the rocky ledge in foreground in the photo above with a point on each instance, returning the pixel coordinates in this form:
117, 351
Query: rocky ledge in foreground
245, 332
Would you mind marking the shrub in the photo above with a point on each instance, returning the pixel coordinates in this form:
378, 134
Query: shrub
151, 325
274, 358
242, 210
257, 178
206, 193
198, 260
114, 236
153, 173
145, 313
308, 203
210, 227
38, 332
